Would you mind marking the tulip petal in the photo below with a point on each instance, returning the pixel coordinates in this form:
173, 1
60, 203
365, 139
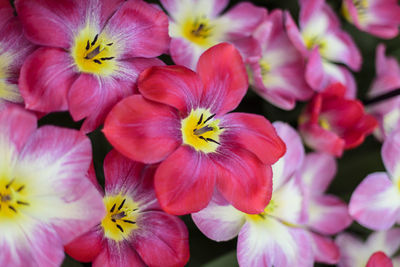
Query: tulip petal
119, 254
379, 259
86, 247
325, 250
391, 156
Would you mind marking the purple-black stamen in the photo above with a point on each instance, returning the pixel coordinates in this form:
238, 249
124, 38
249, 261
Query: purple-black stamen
129, 221
22, 203
12, 208
209, 118
122, 204
97, 61
113, 207
120, 228
200, 120
95, 39
10, 183
87, 45
20, 188
212, 140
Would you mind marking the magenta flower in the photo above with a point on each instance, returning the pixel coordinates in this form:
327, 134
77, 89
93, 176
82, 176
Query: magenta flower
323, 43
135, 231
92, 53
376, 201
45, 198
181, 120
377, 17
276, 67
375, 252
14, 49
387, 112
196, 26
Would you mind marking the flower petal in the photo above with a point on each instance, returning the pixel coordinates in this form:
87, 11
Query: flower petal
376, 202
119, 254
143, 130
379, 259
86, 247
386, 241
184, 53
352, 251
209, 8
391, 155
45, 79
325, 250
224, 76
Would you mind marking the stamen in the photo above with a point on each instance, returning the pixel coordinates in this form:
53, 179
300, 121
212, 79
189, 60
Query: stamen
261, 215
120, 228
20, 188
12, 208
113, 207
209, 118
129, 221
110, 44
10, 183
22, 203
113, 220
203, 130
201, 137
94, 53
97, 61
212, 140
95, 39
107, 58
200, 120
87, 45
122, 204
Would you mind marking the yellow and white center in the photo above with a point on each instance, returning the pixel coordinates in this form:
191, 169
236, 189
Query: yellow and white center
94, 53
269, 209
13, 199
198, 30
201, 131
121, 217
8, 91
361, 6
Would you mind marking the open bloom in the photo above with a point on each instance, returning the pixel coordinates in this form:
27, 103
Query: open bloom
196, 26
387, 79
276, 67
377, 17
14, 48
333, 123
322, 41
92, 53
181, 120
375, 252
135, 231
45, 198
376, 201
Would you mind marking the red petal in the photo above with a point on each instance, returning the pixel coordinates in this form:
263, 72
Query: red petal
143, 130
119, 254
185, 181
86, 247
379, 259
224, 77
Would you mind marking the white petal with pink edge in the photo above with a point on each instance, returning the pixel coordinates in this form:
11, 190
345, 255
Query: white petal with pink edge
391, 156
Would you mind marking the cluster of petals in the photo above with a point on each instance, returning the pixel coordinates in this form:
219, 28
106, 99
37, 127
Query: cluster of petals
377, 251
136, 231
196, 25
387, 111
294, 227
91, 53
323, 43
14, 48
180, 120
375, 203
275, 66
378, 17
45, 198
333, 123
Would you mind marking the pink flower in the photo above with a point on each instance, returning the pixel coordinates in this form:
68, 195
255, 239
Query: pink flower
332, 123
386, 112
375, 252
276, 67
181, 120
14, 49
135, 231
323, 43
377, 17
376, 201
196, 26
92, 53
45, 198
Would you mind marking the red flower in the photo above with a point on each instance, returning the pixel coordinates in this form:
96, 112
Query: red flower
332, 123
181, 120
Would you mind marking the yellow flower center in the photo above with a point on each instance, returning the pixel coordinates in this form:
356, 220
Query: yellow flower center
201, 131
12, 199
94, 53
121, 217
324, 124
198, 30
269, 209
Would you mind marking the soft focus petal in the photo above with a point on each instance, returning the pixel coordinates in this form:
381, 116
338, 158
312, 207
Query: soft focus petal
86, 247
143, 130
325, 250
379, 259
119, 254
184, 53
210, 8
386, 241
352, 251
391, 155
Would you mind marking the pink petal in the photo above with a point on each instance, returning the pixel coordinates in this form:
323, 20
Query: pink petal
325, 250
87, 247
294, 34
176, 86
386, 241
273, 244
379, 259
375, 203
352, 251
162, 239
17, 125
219, 221
119, 254
391, 155
224, 76
184, 182
256, 134
6, 12
184, 52
314, 71
45, 79
140, 28
212, 7
243, 179
143, 130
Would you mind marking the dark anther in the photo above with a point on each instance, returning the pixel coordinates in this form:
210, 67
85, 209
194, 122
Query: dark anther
113, 220
87, 45
10, 183
93, 53
261, 215
12, 208
97, 61
20, 188
22, 203
107, 58
212, 140
120, 228
203, 130
202, 138
95, 39
129, 221
110, 44
200, 120
209, 118
122, 204
221, 128
0, 206
112, 209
